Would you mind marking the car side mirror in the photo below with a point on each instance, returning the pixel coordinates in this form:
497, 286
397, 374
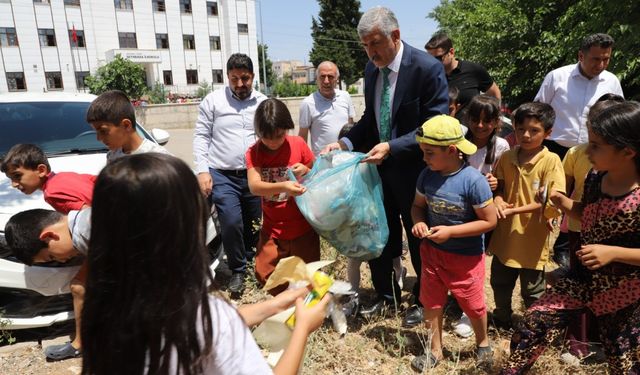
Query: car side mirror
161, 136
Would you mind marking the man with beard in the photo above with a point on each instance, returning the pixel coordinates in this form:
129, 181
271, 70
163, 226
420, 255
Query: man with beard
224, 131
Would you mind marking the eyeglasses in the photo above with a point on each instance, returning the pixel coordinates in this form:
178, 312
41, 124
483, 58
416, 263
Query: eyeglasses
440, 57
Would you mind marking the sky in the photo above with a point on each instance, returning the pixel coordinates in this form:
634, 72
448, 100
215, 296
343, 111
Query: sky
287, 24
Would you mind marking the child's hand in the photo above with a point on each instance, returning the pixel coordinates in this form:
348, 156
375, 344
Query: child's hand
299, 170
420, 230
556, 197
310, 318
288, 298
440, 234
294, 188
492, 180
503, 209
595, 256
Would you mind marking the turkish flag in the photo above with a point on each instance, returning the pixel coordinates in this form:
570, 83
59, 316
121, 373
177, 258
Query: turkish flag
74, 35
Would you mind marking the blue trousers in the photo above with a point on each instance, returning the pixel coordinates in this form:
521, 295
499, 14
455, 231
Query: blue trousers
239, 213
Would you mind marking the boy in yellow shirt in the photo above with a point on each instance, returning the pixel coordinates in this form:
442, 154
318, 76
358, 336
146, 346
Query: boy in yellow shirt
520, 242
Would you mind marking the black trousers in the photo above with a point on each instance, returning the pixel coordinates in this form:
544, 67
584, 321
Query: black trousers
398, 199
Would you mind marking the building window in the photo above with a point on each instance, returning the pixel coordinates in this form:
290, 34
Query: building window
214, 43
75, 3
162, 41
81, 80
8, 37
188, 42
243, 28
54, 80
167, 77
192, 77
123, 4
16, 82
79, 38
41, 1
158, 5
217, 76
185, 6
47, 37
212, 8
127, 40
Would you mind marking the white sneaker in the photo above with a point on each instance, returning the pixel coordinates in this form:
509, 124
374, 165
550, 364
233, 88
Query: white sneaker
463, 327
569, 359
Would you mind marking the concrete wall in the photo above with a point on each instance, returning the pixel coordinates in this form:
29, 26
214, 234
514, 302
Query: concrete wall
184, 115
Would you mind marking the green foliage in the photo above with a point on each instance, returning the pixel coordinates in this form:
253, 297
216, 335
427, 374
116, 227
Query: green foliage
204, 88
268, 66
520, 41
352, 90
120, 74
5, 336
286, 87
335, 38
157, 94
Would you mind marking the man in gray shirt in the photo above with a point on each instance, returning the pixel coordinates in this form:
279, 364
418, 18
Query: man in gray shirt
224, 131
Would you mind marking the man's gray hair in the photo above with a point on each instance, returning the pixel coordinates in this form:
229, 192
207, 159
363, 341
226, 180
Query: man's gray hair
377, 18
328, 62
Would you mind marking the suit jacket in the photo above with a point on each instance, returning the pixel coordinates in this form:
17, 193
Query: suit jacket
421, 92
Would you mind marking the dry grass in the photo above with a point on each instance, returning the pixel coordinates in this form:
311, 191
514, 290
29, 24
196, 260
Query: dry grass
382, 346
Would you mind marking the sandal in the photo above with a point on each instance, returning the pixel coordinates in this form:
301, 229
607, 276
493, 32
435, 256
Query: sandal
484, 357
60, 352
425, 361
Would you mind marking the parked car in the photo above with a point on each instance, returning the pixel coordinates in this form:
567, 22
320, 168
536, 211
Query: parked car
38, 296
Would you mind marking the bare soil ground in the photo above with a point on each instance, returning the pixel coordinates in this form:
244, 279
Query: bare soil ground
378, 346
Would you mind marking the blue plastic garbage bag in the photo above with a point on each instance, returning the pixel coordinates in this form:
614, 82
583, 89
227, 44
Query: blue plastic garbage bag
343, 203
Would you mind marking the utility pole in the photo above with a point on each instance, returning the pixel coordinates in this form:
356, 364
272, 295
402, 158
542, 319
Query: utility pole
264, 61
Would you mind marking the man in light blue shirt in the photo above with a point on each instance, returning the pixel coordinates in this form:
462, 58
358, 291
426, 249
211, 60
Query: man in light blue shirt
224, 131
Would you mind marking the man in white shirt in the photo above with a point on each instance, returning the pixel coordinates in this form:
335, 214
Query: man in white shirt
327, 110
571, 90
224, 131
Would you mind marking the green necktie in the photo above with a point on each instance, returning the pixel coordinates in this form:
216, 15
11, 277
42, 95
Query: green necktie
385, 107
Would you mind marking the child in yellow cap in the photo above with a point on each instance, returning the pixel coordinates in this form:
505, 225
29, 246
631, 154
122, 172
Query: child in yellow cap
452, 208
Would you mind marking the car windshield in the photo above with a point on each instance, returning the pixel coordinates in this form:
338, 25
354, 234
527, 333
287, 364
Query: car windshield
56, 127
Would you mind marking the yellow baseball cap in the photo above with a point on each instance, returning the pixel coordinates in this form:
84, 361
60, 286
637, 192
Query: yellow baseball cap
443, 130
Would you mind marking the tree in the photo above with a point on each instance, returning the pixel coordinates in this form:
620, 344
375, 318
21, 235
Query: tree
268, 66
120, 74
335, 38
519, 41
286, 88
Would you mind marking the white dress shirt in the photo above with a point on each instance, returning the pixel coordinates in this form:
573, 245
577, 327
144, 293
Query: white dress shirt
394, 66
571, 95
224, 130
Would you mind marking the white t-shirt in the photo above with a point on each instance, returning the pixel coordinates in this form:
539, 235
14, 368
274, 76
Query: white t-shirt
80, 228
234, 349
325, 117
145, 146
477, 160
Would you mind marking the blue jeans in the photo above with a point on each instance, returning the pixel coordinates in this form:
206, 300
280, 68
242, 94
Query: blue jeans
239, 213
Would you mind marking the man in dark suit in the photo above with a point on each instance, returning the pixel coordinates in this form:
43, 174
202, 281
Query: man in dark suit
403, 88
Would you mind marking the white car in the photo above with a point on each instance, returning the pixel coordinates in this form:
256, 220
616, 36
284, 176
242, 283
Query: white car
39, 296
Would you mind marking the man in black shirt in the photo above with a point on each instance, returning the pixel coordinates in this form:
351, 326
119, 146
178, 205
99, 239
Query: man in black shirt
469, 78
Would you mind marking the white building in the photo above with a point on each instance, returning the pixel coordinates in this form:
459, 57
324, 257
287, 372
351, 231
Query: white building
180, 43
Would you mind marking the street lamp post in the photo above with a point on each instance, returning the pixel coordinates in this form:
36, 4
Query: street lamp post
264, 61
